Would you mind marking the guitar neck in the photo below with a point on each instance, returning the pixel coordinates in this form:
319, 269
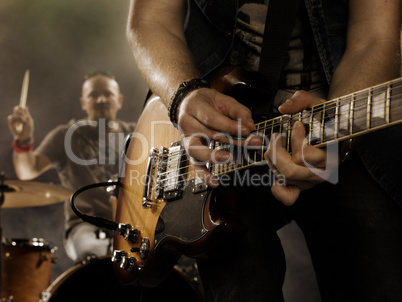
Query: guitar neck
336, 120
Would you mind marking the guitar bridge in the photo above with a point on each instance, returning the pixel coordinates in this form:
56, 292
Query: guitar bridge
171, 179
164, 177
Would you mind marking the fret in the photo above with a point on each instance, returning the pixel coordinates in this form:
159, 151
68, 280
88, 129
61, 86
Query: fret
387, 104
255, 153
298, 117
378, 111
305, 118
344, 110
336, 133
310, 123
281, 129
329, 127
263, 138
369, 100
351, 112
360, 112
322, 123
258, 153
261, 133
396, 101
245, 155
285, 128
316, 126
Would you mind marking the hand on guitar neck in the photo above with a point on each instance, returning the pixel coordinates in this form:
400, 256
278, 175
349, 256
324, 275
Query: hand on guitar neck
206, 114
292, 166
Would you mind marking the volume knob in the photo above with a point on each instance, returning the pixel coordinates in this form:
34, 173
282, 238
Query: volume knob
118, 255
131, 235
128, 263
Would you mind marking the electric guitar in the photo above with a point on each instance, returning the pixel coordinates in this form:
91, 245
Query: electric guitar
164, 210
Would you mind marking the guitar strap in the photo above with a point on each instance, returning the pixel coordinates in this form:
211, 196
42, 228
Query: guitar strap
279, 25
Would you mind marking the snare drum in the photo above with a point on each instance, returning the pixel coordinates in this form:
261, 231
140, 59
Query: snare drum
95, 281
26, 269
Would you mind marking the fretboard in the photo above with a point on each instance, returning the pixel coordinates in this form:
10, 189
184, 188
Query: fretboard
340, 119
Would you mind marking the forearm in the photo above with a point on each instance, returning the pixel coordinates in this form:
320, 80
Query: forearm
365, 68
29, 165
372, 53
159, 47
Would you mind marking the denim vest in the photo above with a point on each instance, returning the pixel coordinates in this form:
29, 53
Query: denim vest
210, 28
217, 19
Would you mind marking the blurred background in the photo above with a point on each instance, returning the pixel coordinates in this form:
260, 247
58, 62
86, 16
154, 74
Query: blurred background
59, 42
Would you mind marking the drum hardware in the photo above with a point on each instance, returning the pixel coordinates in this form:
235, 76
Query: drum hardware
113, 189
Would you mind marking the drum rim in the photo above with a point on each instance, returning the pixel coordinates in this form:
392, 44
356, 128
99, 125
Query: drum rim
23, 242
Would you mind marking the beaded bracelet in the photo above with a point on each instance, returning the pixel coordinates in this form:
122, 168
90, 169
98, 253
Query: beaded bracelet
23, 148
184, 89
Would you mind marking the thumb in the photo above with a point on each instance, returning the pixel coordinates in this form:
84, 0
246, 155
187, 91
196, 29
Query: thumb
299, 101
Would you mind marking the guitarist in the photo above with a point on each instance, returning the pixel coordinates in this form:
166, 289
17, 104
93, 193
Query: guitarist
353, 228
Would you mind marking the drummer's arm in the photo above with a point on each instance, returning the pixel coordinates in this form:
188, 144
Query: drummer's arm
30, 165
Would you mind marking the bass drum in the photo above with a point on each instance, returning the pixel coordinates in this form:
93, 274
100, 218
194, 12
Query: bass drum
95, 281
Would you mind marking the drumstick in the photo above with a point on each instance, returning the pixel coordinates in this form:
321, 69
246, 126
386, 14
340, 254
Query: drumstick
24, 94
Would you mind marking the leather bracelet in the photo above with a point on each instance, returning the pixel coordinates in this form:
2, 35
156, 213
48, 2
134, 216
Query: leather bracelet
23, 148
184, 89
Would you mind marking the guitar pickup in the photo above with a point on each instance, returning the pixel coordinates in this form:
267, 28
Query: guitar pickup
146, 194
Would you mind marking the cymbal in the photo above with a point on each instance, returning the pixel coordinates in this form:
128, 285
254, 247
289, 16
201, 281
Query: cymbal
19, 194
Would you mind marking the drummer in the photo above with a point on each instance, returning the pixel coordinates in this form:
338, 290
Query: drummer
82, 152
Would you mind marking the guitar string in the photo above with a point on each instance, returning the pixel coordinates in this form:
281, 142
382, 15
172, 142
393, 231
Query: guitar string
174, 156
279, 121
231, 166
285, 125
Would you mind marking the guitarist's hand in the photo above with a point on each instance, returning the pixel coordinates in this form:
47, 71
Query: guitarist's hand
206, 114
293, 167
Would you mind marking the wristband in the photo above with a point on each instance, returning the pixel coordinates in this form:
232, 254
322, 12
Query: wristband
23, 148
184, 89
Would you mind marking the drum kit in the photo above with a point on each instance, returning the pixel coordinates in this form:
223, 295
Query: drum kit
25, 265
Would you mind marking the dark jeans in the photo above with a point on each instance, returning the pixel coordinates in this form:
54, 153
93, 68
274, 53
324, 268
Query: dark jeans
353, 231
